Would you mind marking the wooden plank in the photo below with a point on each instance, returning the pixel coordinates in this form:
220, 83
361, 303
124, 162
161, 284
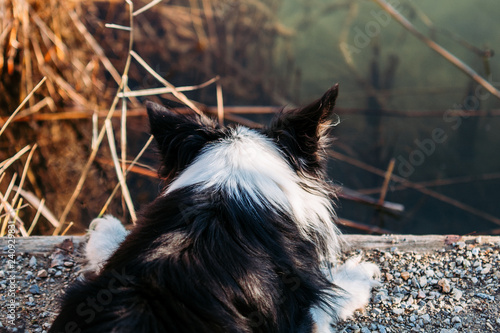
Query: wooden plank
415, 243
39, 244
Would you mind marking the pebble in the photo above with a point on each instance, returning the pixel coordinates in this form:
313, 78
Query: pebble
34, 289
398, 311
2, 274
456, 294
422, 281
376, 312
426, 318
429, 273
485, 296
445, 285
68, 264
32, 262
405, 275
42, 273
486, 269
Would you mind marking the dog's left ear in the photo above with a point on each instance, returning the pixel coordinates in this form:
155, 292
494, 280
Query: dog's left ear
180, 137
303, 132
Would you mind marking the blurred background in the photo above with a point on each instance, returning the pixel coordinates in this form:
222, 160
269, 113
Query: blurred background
416, 150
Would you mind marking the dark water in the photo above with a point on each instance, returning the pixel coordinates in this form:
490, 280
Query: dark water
408, 76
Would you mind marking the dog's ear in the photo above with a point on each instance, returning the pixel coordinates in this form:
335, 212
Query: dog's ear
180, 137
303, 132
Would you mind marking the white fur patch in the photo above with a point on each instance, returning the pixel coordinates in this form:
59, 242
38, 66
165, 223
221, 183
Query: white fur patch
248, 162
356, 279
106, 234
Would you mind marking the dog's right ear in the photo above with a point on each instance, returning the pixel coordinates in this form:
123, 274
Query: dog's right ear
180, 137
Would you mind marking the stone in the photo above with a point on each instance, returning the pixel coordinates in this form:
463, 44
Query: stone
68, 264
456, 294
426, 318
32, 262
398, 311
422, 281
485, 296
429, 273
405, 275
34, 289
42, 273
486, 269
445, 285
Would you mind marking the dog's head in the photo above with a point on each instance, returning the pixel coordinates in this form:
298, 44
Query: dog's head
300, 135
280, 167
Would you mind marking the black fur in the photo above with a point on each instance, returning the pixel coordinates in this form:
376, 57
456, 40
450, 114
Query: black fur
205, 261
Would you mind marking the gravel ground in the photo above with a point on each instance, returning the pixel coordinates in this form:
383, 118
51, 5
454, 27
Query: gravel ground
455, 290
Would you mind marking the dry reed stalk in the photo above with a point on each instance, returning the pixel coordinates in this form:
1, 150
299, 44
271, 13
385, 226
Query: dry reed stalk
220, 105
67, 228
167, 90
6, 163
123, 134
23, 176
146, 7
37, 217
39, 205
387, 179
364, 227
175, 92
7, 194
120, 171
4, 126
130, 167
12, 214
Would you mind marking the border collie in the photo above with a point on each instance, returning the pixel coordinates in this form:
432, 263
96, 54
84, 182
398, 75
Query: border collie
241, 240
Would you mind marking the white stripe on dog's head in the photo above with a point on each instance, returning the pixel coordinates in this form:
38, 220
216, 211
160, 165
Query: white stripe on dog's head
249, 162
